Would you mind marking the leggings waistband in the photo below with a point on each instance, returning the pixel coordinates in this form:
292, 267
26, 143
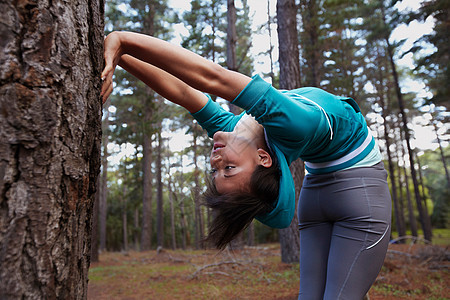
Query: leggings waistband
376, 171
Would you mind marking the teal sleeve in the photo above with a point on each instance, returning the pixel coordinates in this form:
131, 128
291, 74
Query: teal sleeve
212, 117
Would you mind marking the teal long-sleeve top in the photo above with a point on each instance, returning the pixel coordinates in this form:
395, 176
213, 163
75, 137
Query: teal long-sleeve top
328, 132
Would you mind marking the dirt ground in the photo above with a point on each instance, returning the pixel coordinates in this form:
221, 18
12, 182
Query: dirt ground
409, 272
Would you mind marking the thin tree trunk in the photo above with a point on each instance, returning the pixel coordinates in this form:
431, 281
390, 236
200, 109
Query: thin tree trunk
103, 205
290, 79
159, 196
441, 151
185, 241
400, 193
269, 29
50, 131
124, 218
310, 24
147, 217
422, 185
172, 213
146, 232
199, 226
231, 45
136, 227
412, 218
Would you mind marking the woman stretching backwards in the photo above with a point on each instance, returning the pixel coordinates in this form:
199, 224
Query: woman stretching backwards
344, 209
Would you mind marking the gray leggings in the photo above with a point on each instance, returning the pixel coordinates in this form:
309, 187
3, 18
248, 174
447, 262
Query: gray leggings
344, 220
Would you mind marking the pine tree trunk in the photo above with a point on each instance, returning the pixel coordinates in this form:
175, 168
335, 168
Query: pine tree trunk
136, 228
198, 213
290, 79
103, 188
159, 194
147, 199
269, 30
231, 45
412, 218
50, 129
441, 151
309, 11
172, 213
147, 183
124, 218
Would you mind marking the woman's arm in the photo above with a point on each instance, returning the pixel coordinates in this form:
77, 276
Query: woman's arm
165, 84
194, 70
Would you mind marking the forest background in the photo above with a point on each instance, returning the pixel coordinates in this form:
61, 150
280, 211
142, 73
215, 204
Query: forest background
56, 212
150, 190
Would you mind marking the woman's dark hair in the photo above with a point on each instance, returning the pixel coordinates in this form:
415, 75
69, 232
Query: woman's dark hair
234, 212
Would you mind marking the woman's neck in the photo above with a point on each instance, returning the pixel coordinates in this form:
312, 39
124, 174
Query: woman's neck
249, 127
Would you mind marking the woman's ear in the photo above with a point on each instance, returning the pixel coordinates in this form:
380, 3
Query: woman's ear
265, 159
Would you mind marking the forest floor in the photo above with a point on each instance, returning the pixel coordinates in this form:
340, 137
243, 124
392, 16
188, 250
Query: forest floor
410, 271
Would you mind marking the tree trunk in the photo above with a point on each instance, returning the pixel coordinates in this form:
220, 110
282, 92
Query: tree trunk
172, 211
159, 195
185, 236
310, 12
290, 79
412, 218
231, 45
441, 151
50, 130
124, 218
399, 190
136, 227
269, 30
103, 205
146, 233
199, 233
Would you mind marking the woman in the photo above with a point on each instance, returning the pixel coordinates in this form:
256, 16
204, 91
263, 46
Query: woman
344, 207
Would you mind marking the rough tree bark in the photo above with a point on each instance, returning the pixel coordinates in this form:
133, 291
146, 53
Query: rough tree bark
50, 116
290, 79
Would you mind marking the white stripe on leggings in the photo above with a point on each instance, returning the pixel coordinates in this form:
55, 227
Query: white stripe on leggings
379, 238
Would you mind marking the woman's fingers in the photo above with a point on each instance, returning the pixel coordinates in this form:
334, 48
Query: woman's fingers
111, 46
107, 87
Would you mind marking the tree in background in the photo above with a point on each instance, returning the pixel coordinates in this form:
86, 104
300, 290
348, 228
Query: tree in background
381, 19
343, 50
135, 121
50, 145
311, 41
290, 79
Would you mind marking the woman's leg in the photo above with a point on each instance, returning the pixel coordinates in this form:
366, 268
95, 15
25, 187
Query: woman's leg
360, 205
356, 205
315, 238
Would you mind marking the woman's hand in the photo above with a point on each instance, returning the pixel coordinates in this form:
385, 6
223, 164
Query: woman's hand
112, 53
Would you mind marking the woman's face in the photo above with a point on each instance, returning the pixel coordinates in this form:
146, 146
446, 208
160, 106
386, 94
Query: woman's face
233, 159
